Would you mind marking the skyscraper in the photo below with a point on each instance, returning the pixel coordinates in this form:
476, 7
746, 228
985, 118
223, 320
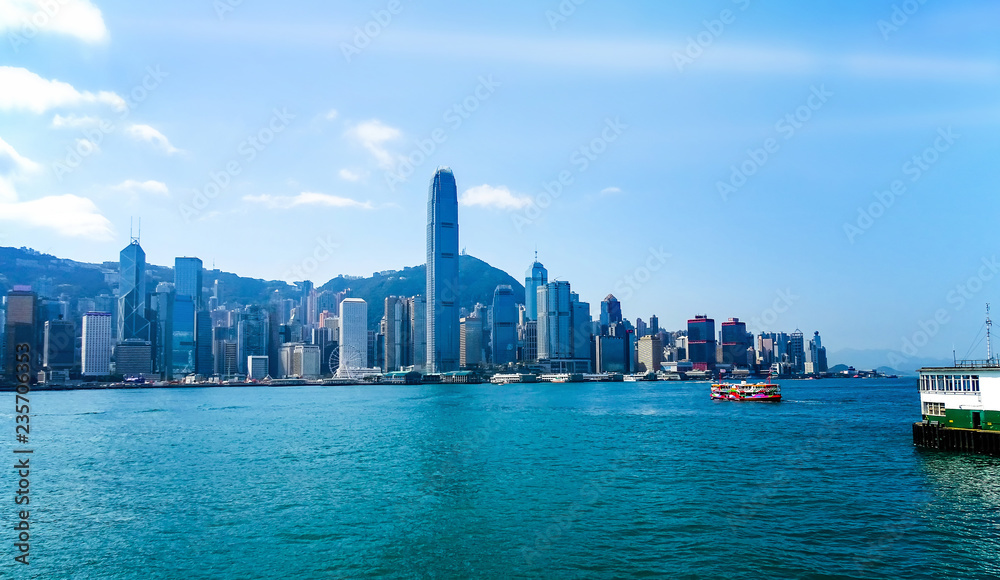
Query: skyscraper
398, 339
611, 312
702, 343
22, 328
442, 274
735, 343
503, 331
132, 323
188, 279
536, 276
59, 338
95, 350
353, 336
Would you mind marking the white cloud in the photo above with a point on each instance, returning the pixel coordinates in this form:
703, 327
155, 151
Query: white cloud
68, 215
348, 175
332, 114
151, 135
22, 19
307, 198
23, 90
373, 135
13, 162
493, 197
137, 187
611, 191
74, 122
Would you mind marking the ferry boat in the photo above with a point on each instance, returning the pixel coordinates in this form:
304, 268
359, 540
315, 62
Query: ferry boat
744, 391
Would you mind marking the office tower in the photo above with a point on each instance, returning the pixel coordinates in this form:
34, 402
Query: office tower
49, 309
796, 351
182, 337
503, 330
817, 356
610, 354
529, 341
555, 340
650, 354
442, 274
3, 337
640, 328
252, 334
418, 331
398, 338
353, 336
702, 343
257, 368
654, 324
21, 328
307, 302
735, 343
536, 276
204, 363
274, 326
580, 321
224, 340
95, 351
161, 323
188, 280
471, 341
611, 312
131, 320
59, 341
133, 358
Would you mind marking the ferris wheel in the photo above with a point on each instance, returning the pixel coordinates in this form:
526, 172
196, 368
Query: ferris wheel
351, 354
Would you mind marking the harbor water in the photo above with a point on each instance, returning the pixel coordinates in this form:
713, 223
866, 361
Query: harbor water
601, 480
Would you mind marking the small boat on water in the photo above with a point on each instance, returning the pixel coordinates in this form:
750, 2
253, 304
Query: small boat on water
766, 391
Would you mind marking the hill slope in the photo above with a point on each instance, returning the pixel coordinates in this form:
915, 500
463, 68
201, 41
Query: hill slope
74, 280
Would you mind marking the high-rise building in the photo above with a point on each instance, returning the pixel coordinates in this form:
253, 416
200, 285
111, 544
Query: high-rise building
353, 336
503, 333
736, 343
611, 312
58, 351
204, 360
640, 328
536, 276
398, 338
555, 334
21, 328
134, 358
796, 351
817, 356
610, 354
257, 367
471, 341
131, 320
654, 324
702, 343
442, 274
188, 279
252, 334
182, 337
581, 323
97, 344
529, 341
418, 331
650, 354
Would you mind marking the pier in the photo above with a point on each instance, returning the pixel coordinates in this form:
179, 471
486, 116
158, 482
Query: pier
933, 436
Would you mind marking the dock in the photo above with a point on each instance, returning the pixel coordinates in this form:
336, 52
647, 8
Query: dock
932, 435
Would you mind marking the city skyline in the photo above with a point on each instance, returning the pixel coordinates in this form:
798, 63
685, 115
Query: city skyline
854, 97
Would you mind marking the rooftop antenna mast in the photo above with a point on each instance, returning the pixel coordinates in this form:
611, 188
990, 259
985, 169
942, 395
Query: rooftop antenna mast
989, 345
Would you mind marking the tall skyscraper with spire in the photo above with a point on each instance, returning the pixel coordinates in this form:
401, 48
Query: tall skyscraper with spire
132, 323
443, 345
536, 276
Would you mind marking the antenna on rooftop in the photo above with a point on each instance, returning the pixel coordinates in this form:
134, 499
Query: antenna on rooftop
989, 345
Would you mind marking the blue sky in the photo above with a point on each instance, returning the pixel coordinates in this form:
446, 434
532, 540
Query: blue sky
668, 123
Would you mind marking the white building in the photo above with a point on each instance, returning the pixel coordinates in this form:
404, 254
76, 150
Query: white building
353, 336
95, 350
966, 397
257, 366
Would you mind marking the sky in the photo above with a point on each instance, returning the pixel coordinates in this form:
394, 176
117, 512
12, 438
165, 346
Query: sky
828, 168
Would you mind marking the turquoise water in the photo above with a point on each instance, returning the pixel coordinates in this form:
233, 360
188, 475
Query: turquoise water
628, 480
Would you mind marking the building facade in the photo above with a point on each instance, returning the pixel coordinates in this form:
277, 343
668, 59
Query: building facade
98, 342
442, 274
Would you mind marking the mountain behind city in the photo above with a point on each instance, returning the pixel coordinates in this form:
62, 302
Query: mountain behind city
50, 275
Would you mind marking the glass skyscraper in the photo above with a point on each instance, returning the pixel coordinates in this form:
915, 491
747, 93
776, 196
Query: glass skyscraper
188, 279
503, 331
443, 344
536, 276
131, 322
